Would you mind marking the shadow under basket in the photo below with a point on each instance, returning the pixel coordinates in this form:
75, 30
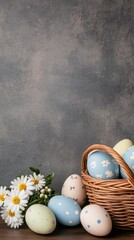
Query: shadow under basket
115, 195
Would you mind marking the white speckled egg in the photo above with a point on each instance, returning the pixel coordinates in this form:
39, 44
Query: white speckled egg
74, 188
40, 219
122, 146
66, 210
96, 220
102, 165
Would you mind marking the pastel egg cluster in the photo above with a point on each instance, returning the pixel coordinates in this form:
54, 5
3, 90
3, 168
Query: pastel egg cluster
101, 165
69, 208
66, 209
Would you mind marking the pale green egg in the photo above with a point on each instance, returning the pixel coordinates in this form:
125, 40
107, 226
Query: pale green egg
40, 219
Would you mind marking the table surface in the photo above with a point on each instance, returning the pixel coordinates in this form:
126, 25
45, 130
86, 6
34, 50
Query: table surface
61, 232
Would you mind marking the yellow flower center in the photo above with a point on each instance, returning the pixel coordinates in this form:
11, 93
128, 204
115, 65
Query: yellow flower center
2, 198
22, 186
11, 214
36, 181
16, 200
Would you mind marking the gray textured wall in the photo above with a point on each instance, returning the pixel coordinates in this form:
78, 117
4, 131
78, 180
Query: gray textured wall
66, 82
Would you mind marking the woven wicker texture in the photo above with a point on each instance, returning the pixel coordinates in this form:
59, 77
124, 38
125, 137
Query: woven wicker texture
115, 195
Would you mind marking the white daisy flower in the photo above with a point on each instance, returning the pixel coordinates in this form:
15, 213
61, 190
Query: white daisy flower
17, 224
38, 180
23, 183
2, 195
93, 164
13, 219
99, 176
105, 163
16, 200
109, 173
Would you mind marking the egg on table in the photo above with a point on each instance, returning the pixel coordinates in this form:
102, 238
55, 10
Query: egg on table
128, 157
75, 189
122, 146
102, 165
96, 220
66, 210
40, 219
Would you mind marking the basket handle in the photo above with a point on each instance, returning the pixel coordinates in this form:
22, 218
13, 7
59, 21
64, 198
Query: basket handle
114, 154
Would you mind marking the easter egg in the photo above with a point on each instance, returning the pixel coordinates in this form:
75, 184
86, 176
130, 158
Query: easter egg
96, 220
128, 156
122, 146
75, 189
102, 165
40, 219
66, 210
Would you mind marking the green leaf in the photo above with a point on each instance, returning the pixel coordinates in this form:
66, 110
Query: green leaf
49, 178
36, 170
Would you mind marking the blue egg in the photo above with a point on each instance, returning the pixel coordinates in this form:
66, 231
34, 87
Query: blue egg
128, 156
66, 210
102, 165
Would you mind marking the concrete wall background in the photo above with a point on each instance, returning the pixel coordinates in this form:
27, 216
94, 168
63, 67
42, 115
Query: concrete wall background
66, 82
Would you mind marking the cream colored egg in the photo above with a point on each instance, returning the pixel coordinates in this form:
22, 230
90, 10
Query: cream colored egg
96, 220
74, 188
40, 219
122, 146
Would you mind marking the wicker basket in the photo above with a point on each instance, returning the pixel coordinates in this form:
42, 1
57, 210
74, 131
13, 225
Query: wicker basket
116, 195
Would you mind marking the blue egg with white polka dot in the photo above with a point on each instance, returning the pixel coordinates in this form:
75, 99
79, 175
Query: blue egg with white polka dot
66, 210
